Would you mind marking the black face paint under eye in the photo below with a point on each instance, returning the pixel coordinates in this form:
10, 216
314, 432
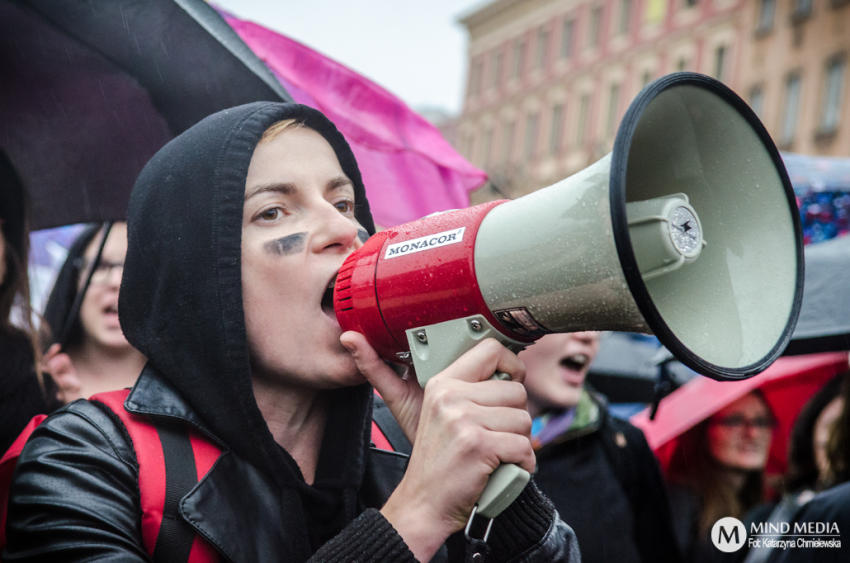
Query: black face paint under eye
362, 235
286, 245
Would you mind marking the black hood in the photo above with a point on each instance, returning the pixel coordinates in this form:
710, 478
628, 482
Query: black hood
181, 294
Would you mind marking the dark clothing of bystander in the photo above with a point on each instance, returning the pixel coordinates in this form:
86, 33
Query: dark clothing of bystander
21, 398
605, 481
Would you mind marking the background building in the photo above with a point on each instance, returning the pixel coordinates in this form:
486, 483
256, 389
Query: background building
549, 80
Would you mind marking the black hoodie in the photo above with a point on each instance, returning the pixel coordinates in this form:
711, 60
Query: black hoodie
181, 295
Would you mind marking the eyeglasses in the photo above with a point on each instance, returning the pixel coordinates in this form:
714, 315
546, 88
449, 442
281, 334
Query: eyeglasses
739, 422
102, 272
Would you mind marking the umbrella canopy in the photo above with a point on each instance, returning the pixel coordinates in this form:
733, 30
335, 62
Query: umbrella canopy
786, 386
817, 173
824, 322
92, 89
627, 367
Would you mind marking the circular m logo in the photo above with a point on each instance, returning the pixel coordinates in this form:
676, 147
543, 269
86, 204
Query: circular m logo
728, 534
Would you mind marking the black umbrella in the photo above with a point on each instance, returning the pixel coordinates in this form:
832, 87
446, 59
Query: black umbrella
91, 89
824, 322
628, 368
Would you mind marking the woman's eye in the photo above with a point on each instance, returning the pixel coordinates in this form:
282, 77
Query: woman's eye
345, 206
270, 214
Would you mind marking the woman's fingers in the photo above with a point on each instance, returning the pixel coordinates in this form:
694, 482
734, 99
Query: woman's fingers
374, 369
483, 361
484, 393
402, 396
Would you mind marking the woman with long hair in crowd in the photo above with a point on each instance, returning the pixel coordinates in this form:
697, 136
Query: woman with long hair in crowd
95, 356
717, 470
809, 466
810, 463
830, 508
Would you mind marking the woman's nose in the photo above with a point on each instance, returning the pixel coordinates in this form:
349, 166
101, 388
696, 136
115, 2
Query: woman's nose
336, 230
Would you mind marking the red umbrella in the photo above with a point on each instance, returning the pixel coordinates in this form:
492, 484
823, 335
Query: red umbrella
786, 386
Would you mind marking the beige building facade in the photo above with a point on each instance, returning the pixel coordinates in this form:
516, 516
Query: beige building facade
550, 80
796, 75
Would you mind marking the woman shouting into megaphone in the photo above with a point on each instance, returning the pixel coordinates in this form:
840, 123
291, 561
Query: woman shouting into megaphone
236, 230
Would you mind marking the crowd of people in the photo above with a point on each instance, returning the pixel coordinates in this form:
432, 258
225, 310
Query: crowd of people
238, 370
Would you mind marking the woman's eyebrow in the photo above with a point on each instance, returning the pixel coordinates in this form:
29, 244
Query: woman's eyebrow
284, 188
339, 182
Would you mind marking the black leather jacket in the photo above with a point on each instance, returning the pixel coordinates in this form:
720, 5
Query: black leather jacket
80, 469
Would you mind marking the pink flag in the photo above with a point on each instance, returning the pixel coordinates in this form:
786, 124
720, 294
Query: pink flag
408, 168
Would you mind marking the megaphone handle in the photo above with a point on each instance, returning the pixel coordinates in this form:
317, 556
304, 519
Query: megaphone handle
504, 484
503, 487
433, 348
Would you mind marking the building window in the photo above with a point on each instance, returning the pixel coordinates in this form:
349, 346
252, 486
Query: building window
496, 76
508, 141
556, 133
645, 78
757, 100
531, 125
831, 110
766, 11
595, 26
690, 3
655, 11
613, 105
519, 55
567, 32
583, 110
682, 64
792, 104
802, 9
542, 48
625, 16
719, 62
475, 78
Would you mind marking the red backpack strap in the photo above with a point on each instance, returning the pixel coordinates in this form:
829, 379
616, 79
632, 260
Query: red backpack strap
7, 469
378, 439
386, 432
172, 459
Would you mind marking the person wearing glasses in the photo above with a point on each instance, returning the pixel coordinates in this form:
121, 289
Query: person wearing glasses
95, 356
717, 471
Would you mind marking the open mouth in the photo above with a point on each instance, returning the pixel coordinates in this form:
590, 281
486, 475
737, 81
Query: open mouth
111, 309
576, 362
328, 297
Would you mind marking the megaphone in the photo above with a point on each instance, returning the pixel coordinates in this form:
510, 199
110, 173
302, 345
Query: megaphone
688, 230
